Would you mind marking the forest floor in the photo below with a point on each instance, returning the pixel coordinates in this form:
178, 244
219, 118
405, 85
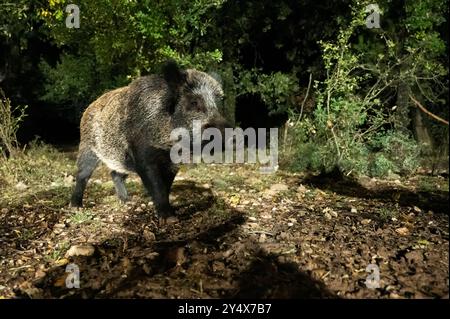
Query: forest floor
239, 234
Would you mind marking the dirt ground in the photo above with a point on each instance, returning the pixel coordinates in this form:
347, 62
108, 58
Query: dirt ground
239, 234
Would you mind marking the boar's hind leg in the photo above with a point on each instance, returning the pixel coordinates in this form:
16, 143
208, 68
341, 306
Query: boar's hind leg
119, 184
87, 162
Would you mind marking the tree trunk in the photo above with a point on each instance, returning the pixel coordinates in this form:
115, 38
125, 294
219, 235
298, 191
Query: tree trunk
402, 119
421, 131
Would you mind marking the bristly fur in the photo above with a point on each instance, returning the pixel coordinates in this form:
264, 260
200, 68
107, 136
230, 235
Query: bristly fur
129, 128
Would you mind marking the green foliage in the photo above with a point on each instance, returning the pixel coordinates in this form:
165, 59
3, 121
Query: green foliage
348, 128
119, 40
381, 166
276, 89
386, 214
72, 79
81, 217
401, 151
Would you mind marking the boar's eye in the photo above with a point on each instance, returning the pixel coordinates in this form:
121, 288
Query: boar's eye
196, 106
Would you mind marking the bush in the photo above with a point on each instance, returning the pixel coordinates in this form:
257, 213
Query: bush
381, 166
345, 131
400, 150
10, 118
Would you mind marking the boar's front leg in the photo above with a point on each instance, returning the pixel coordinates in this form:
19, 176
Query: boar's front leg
153, 180
169, 172
152, 171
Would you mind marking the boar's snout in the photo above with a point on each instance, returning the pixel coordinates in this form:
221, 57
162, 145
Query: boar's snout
221, 124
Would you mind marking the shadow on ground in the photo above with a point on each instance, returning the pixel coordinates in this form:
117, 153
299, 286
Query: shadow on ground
436, 201
189, 259
268, 278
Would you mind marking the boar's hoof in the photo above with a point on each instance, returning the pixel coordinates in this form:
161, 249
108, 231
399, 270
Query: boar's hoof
167, 220
166, 215
76, 202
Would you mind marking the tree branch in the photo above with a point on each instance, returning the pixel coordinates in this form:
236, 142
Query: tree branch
420, 106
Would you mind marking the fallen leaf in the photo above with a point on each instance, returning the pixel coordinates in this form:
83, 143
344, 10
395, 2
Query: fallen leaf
62, 262
234, 199
417, 209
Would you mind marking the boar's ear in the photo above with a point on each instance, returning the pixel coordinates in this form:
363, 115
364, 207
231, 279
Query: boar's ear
173, 74
175, 78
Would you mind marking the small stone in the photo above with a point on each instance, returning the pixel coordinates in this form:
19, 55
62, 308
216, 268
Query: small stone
354, 210
262, 238
366, 221
402, 231
327, 215
39, 274
80, 250
21, 186
227, 253
68, 180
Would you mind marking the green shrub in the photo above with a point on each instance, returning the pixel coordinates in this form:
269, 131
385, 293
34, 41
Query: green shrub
345, 130
10, 119
381, 166
398, 152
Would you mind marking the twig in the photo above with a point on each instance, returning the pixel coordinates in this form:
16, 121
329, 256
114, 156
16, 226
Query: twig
304, 99
260, 232
21, 267
423, 109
